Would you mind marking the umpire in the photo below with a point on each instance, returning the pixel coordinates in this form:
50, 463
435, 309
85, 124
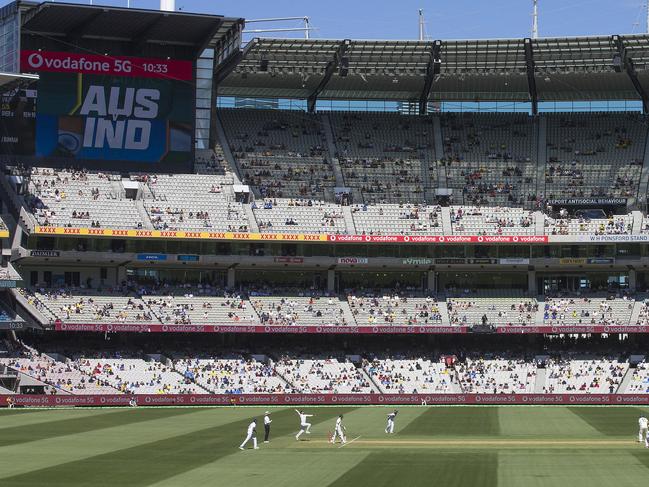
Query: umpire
267, 422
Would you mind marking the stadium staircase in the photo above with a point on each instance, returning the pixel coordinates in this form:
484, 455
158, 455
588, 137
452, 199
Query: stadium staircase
539, 382
117, 189
637, 308
624, 384
347, 312
331, 148
253, 226
643, 186
144, 215
438, 148
538, 317
541, 155
278, 374
455, 382
636, 228
375, 386
443, 311
227, 152
227, 169
349, 220
447, 228
169, 363
539, 223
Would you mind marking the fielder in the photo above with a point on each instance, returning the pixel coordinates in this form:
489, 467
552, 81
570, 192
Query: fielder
643, 423
390, 426
267, 422
339, 431
305, 427
252, 435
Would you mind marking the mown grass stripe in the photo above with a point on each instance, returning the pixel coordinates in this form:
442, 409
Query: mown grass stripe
71, 426
479, 421
611, 421
419, 469
153, 462
15, 411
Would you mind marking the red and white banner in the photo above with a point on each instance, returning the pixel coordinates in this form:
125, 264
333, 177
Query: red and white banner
333, 330
338, 330
520, 239
319, 399
70, 62
571, 329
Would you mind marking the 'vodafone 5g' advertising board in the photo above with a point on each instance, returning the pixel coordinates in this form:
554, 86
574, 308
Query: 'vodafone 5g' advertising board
116, 108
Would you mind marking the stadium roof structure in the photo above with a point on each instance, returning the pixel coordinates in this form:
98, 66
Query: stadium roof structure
551, 69
9, 81
70, 22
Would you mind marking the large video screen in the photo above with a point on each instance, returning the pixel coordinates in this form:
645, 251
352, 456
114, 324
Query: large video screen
112, 108
18, 121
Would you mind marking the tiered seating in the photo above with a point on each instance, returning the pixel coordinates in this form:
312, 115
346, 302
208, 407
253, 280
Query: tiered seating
384, 156
80, 199
91, 307
588, 310
643, 316
299, 216
232, 376
594, 154
418, 376
9, 272
488, 158
639, 383
600, 376
403, 219
281, 153
65, 377
614, 225
211, 161
195, 202
187, 308
496, 376
491, 221
212, 306
395, 309
323, 376
7, 314
504, 310
137, 376
35, 302
300, 310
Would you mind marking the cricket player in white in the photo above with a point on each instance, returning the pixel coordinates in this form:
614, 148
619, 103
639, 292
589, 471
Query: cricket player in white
390, 426
643, 423
305, 427
252, 435
339, 431
267, 422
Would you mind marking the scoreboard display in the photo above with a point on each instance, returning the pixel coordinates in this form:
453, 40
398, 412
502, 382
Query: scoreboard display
95, 107
18, 121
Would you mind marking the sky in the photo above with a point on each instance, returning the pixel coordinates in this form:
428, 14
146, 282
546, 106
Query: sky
445, 19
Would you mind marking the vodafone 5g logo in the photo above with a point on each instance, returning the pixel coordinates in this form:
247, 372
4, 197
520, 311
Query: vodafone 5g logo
35, 60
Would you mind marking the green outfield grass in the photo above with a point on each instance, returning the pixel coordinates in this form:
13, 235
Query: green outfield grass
447, 446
